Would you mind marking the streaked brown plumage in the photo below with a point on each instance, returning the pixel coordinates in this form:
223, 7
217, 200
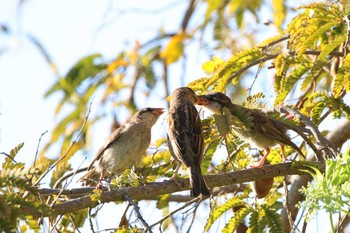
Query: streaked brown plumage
264, 132
185, 137
125, 147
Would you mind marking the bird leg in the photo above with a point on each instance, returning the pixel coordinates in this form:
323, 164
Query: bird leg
262, 161
284, 156
174, 176
99, 183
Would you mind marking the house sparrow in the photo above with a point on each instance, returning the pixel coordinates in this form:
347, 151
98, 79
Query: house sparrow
125, 147
185, 139
262, 130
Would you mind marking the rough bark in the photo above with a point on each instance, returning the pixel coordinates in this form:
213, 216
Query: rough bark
152, 190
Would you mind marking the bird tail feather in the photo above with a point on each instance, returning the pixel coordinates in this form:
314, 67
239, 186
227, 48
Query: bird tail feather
88, 177
297, 149
197, 182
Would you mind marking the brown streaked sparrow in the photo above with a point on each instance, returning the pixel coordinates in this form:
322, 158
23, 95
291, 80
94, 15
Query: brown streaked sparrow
185, 139
263, 131
125, 147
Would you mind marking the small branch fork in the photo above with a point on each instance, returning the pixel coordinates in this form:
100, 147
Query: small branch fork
138, 213
321, 142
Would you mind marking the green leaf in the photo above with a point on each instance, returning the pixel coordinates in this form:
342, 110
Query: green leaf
279, 12
326, 50
221, 122
223, 76
313, 36
220, 210
237, 218
274, 221
15, 150
254, 223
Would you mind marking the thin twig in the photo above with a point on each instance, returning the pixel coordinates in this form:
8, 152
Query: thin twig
311, 87
120, 12
189, 12
123, 218
322, 141
275, 42
138, 213
193, 217
8, 156
306, 139
255, 78
73, 173
290, 220
90, 221
75, 226
55, 224
273, 56
165, 77
71, 146
37, 147
176, 210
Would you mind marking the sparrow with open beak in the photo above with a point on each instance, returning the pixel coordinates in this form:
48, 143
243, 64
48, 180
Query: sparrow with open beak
125, 147
263, 131
185, 137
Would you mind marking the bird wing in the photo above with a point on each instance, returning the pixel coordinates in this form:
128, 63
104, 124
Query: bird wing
273, 127
265, 125
114, 136
185, 134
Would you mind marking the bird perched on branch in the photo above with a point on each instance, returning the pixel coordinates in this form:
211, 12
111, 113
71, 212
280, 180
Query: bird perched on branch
185, 137
255, 127
125, 147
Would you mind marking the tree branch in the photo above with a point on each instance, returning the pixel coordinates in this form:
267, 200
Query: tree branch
138, 213
273, 56
322, 142
337, 138
188, 14
152, 190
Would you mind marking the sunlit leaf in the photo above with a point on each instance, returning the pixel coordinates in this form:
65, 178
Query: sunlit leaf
174, 49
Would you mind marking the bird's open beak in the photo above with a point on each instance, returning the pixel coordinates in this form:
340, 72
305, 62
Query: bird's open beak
158, 111
202, 100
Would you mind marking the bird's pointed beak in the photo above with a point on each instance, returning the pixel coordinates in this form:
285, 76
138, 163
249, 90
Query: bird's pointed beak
158, 111
201, 100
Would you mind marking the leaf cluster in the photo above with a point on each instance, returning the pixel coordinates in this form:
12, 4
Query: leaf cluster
261, 218
329, 191
311, 74
17, 194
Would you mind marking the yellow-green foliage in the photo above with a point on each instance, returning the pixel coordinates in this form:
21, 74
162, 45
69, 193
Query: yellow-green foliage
220, 210
225, 73
342, 80
18, 198
320, 18
329, 191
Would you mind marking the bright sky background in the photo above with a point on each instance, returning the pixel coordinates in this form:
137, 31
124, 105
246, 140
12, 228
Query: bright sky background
68, 30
